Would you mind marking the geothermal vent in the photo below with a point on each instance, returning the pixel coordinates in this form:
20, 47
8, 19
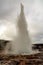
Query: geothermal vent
24, 42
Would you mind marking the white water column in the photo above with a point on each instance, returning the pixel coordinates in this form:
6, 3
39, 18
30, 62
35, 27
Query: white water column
24, 41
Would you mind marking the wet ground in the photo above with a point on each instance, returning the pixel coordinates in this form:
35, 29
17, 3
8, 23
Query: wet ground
34, 59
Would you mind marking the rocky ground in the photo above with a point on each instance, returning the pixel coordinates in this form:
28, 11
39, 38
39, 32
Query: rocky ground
34, 59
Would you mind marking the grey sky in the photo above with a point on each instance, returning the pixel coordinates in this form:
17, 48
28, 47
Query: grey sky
9, 11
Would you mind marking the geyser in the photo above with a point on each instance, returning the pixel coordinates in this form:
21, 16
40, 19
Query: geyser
22, 43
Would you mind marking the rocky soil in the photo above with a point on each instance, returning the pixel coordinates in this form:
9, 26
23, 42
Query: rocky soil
34, 59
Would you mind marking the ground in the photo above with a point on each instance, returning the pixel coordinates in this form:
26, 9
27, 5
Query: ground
33, 59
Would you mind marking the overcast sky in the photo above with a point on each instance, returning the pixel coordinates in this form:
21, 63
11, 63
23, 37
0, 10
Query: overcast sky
9, 11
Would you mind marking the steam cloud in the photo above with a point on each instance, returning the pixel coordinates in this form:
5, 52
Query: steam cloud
22, 44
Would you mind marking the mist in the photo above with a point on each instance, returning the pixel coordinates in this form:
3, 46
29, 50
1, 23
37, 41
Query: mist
21, 44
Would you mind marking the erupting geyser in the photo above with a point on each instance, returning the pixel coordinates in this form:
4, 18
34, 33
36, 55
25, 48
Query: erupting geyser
23, 42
